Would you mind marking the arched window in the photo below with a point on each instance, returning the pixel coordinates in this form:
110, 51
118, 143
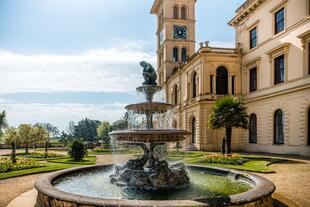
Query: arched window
193, 130
175, 94
194, 85
222, 81
309, 126
176, 12
183, 12
184, 55
278, 127
175, 54
253, 129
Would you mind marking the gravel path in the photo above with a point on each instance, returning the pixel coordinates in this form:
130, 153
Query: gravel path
292, 180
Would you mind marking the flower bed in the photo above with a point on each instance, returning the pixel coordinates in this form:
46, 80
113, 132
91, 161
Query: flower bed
6, 165
40, 154
217, 158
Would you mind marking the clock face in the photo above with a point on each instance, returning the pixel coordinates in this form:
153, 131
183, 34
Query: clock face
179, 32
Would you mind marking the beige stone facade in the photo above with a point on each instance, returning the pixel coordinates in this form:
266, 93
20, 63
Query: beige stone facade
269, 69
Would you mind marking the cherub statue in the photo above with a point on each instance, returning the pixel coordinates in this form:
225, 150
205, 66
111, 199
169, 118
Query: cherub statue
149, 74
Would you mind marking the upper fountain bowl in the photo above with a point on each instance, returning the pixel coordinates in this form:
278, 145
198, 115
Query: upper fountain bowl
149, 107
150, 135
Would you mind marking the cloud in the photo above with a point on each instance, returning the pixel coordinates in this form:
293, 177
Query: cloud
114, 69
60, 114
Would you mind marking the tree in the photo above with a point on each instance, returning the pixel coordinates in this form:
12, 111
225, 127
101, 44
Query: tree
24, 134
86, 129
11, 138
54, 131
103, 133
40, 135
3, 122
119, 125
228, 113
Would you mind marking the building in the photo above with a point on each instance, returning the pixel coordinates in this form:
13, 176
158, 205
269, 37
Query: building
269, 69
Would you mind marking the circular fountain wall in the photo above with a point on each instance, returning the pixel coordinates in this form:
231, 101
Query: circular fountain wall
209, 186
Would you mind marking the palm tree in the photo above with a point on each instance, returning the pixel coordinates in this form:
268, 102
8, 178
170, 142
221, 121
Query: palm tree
228, 113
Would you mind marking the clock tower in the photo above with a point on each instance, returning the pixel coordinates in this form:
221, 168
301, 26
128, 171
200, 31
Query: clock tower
175, 35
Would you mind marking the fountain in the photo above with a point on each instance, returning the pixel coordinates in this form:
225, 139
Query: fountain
150, 172
150, 180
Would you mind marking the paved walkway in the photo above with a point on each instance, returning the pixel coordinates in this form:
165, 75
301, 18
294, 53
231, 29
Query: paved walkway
292, 180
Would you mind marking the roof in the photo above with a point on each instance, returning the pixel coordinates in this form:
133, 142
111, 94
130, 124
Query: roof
244, 10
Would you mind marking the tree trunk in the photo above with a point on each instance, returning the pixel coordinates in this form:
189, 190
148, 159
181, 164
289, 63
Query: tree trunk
26, 149
228, 139
224, 146
13, 155
46, 148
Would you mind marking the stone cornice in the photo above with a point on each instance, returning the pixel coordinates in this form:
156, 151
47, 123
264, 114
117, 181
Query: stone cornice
243, 11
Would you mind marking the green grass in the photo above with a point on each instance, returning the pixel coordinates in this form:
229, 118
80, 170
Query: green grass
52, 164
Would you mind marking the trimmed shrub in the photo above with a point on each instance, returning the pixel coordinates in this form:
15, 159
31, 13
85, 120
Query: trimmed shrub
77, 150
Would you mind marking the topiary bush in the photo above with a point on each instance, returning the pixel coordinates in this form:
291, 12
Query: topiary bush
77, 150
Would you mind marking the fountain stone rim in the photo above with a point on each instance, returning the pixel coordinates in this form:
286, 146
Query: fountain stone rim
262, 189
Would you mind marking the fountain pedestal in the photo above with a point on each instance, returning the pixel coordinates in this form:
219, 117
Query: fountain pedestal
150, 173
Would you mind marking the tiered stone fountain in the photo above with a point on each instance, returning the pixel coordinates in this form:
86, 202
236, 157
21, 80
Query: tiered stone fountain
150, 172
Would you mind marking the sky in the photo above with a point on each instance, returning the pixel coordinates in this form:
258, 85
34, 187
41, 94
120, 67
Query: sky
63, 60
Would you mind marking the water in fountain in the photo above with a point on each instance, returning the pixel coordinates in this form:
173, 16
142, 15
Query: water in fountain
151, 171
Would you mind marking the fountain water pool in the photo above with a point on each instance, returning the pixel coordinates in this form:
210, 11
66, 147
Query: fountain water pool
150, 180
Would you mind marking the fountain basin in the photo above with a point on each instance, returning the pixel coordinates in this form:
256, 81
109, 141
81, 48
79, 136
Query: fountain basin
150, 135
51, 196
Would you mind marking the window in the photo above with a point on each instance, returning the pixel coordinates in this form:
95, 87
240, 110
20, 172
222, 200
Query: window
175, 93
253, 79
184, 55
253, 38
175, 54
194, 84
222, 81
211, 84
253, 129
183, 12
233, 80
278, 127
193, 130
309, 126
279, 21
279, 70
176, 12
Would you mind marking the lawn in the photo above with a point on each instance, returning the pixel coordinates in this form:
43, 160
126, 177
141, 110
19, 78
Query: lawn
51, 164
